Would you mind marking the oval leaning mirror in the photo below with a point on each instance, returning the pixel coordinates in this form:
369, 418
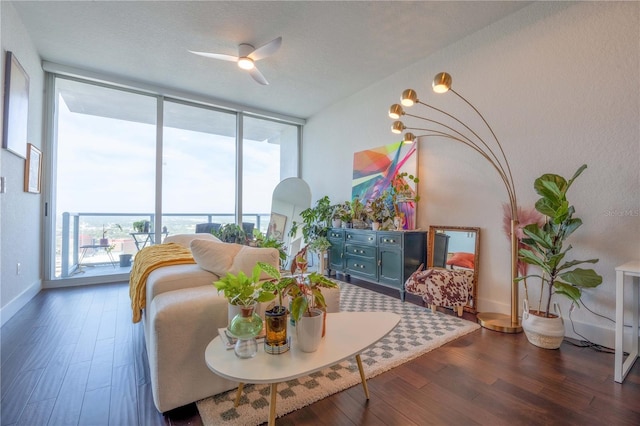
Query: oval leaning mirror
290, 197
458, 248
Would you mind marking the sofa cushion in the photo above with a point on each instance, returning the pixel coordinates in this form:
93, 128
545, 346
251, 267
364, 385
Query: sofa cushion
248, 257
176, 277
213, 256
185, 239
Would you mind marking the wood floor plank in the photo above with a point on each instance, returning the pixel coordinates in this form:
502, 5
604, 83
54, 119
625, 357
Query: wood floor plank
49, 385
95, 407
14, 402
37, 413
69, 402
123, 409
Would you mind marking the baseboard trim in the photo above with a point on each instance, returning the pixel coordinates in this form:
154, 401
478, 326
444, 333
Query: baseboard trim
10, 309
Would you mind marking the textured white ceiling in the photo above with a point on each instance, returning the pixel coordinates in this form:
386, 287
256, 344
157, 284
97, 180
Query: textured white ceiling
329, 51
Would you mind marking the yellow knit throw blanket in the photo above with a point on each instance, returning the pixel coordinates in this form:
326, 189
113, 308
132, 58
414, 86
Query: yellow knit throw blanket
147, 260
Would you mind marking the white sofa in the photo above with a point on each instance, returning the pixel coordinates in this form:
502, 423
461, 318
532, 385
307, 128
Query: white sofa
183, 313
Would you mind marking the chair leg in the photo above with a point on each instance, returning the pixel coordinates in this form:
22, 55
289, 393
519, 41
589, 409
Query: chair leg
459, 309
433, 308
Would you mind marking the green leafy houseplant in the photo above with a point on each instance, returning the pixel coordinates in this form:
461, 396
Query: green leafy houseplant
231, 233
546, 248
243, 290
315, 220
263, 241
304, 291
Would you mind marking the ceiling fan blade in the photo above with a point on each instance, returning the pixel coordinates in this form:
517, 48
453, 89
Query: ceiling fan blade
217, 56
266, 50
257, 76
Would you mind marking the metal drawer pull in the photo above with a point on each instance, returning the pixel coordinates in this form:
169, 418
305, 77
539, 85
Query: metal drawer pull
358, 251
370, 238
388, 240
355, 265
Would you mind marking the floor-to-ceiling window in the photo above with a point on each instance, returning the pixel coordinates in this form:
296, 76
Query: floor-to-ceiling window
130, 167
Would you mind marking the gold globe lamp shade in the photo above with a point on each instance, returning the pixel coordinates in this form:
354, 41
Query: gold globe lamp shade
409, 97
397, 127
395, 111
441, 82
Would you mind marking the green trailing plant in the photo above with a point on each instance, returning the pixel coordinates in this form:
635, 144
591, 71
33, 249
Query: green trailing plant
244, 290
546, 248
358, 210
401, 192
138, 226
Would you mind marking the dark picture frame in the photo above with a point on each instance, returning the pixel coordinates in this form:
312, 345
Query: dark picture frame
16, 107
33, 170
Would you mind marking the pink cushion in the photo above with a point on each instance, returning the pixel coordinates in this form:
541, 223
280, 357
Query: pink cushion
464, 260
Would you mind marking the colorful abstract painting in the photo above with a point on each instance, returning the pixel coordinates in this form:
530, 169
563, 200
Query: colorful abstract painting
377, 170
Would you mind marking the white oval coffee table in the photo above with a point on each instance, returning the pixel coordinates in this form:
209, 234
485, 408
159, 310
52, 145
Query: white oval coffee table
348, 334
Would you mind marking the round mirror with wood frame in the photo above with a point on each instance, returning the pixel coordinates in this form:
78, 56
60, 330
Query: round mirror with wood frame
456, 247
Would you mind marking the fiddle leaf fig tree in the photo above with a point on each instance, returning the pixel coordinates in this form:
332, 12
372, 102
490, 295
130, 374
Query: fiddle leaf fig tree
546, 248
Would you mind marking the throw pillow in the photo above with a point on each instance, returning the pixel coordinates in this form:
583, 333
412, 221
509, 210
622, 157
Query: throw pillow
185, 239
214, 256
248, 257
464, 260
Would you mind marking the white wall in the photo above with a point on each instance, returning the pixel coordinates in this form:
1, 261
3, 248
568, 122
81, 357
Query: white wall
20, 212
559, 84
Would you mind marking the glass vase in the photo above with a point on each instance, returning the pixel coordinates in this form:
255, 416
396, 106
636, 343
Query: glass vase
245, 327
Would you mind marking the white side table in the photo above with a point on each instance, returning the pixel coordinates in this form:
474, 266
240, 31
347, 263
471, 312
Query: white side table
631, 270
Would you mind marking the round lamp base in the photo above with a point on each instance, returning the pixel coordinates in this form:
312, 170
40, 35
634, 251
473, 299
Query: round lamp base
498, 322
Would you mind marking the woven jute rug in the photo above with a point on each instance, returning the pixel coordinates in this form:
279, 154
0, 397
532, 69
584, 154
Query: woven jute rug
418, 332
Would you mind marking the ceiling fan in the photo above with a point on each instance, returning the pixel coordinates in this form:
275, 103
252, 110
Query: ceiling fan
247, 55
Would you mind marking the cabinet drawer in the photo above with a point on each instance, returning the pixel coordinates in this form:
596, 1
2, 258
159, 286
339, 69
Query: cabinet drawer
335, 234
359, 266
390, 239
360, 237
360, 251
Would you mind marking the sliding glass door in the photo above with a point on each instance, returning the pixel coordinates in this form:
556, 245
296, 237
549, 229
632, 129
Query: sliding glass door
105, 148
129, 168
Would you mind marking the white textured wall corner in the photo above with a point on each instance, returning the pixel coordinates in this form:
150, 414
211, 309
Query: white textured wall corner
540, 79
20, 216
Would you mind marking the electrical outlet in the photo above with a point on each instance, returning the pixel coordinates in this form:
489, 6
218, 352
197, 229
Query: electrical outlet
18, 268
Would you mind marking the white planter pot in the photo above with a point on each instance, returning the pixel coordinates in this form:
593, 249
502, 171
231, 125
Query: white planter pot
309, 331
375, 225
546, 333
337, 223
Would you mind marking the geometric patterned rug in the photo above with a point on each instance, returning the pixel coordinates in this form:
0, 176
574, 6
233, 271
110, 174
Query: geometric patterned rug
418, 332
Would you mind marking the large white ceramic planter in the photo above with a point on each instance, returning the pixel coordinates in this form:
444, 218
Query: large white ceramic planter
546, 333
309, 331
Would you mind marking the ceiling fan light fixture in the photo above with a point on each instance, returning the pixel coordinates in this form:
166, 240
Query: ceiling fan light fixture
246, 63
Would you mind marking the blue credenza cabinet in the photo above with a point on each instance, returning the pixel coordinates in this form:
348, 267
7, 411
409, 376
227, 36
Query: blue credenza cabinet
386, 258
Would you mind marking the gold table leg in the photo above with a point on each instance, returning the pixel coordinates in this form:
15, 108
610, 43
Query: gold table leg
362, 378
272, 404
238, 394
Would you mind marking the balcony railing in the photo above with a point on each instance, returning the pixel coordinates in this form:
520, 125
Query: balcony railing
78, 240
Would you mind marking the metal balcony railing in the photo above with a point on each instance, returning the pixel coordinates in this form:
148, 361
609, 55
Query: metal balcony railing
99, 239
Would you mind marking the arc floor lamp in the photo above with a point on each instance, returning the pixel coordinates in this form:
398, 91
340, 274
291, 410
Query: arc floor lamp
491, 151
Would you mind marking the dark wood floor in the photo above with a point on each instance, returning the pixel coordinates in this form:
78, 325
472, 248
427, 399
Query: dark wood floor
72, 356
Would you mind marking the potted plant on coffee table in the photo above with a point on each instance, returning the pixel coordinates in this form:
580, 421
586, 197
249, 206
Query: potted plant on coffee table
276, 340
308, 308
244, 293
546, 250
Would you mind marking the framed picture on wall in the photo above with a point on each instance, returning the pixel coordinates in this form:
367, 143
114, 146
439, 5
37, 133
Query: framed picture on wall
16, 107
33, 170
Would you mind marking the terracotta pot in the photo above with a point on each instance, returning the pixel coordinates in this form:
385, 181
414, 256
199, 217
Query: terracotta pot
546, 333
